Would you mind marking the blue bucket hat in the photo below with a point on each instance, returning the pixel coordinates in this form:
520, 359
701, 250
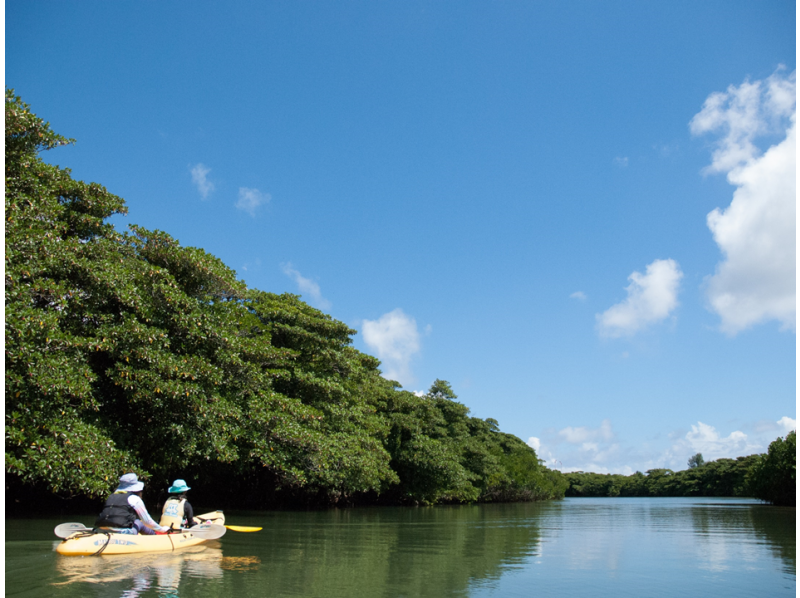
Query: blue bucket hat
178, 486
130, 483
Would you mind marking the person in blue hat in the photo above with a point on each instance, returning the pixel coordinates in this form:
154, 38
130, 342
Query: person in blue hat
124, 511
177, 511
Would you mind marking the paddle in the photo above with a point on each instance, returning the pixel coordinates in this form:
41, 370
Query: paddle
67, 529
243, 528
234, 528
207, 532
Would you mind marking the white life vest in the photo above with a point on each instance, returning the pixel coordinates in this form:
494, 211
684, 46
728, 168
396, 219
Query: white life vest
172, 513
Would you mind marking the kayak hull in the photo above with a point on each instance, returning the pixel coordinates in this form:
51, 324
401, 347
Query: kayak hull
89, 544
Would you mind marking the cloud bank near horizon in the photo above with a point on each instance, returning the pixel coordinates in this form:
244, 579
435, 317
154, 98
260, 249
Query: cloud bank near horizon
600, 450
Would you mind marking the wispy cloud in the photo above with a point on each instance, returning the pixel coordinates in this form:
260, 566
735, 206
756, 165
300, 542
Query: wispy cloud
621, 161
781, 427
251, 199
756, 281
395, 339
579, 295
252, 266
200, 180
308, 288
652, 297
583, 434
580, 448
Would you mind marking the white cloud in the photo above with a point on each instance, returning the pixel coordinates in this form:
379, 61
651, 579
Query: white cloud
601, 451
705, 439
395, 338
652, 297
200, 180
308, 288
744, 113
544, 454
583, 435
771, 429
757, 233
579, 295
622, 162
580, 448
250, 199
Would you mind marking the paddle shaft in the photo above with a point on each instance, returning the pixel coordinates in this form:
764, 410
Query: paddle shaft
234, 528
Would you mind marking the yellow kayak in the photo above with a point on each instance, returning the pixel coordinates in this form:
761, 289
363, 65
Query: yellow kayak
88, 544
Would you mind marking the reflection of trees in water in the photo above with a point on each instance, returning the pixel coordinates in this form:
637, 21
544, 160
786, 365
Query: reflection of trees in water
776, 525
140, 573
393, 552
735, 525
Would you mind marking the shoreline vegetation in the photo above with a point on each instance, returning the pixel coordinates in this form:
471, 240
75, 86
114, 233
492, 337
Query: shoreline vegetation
769, 477
129, 352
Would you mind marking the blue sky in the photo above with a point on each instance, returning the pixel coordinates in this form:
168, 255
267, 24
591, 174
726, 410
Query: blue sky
581, 214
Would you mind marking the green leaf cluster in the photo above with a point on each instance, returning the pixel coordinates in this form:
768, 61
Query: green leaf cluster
773, 476
129, 352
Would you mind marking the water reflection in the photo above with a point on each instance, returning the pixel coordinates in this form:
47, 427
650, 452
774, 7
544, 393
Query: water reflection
575, 548
136, 574
776, 527
729, 535
711, 535
399, 552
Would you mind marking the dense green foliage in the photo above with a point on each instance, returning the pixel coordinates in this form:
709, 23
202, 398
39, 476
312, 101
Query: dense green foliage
129, 352
772, 477
723, 477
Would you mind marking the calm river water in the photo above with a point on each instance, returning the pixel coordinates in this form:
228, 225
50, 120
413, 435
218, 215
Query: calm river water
577, 547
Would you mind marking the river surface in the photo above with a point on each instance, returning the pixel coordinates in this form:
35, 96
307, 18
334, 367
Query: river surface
592, 547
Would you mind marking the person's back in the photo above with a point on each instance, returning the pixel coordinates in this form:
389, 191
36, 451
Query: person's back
117, 512
172, 513
177, 508
124, 511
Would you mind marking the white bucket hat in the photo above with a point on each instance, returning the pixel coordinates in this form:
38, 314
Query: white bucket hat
130, 483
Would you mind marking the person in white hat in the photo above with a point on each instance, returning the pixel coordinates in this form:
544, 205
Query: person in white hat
177, 511
124, 511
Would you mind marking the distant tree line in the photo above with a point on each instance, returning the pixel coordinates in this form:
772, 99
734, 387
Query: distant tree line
128, 352
769, 477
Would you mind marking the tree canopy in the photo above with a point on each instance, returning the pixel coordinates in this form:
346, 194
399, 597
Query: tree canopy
695, 460
126, 351
773, 476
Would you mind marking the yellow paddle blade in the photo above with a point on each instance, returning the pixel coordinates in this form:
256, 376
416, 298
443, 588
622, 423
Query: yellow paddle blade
243, 528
